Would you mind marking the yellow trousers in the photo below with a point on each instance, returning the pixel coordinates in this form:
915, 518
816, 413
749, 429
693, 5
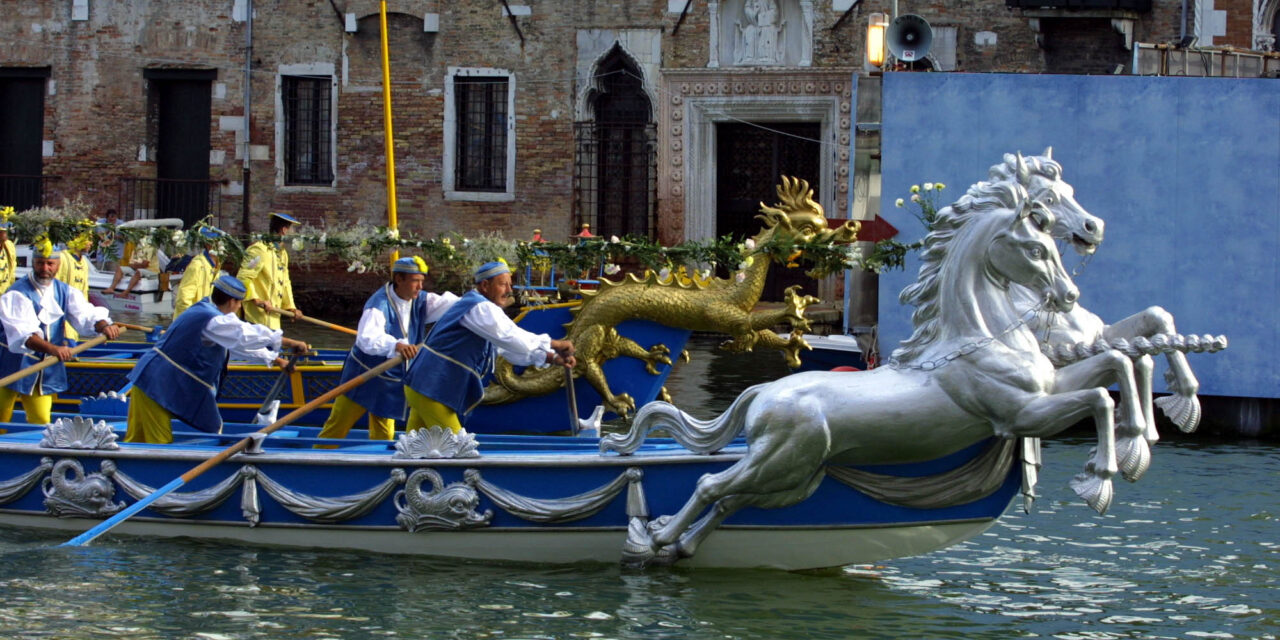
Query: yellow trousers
148, 421
425, 412
39, 408
344, 415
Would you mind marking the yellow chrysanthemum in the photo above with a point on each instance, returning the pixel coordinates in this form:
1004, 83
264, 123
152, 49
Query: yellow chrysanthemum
42, 246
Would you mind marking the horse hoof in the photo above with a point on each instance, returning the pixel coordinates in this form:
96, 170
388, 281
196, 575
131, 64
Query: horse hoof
637, 550
1134, 457
1095, 491
1183, 411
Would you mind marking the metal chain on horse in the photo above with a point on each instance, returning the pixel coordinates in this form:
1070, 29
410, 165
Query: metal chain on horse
932, 365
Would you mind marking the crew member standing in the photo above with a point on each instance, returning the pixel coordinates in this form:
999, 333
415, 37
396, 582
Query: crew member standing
32, 312
265, 274
202, 271
444, 381
180, 376
395, 322
73, 269
8, 257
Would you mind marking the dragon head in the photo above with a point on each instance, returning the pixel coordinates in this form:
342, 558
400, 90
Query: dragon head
800, 217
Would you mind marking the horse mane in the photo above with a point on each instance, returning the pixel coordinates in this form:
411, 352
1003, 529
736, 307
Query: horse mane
1031, 166
948, 228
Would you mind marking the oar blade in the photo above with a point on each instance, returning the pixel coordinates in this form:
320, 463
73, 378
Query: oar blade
105, 525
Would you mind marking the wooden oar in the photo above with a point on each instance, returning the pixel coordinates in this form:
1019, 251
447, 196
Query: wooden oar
137, 327
315, 321
49, 361
574, 425
221, 456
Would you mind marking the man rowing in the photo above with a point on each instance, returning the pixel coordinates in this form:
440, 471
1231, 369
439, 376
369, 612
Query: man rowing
197, 281
32, 312
445, 380
265, 274
180, 376
394, 322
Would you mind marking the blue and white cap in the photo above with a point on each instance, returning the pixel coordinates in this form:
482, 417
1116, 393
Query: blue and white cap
211, 233
286, 217
491, 269
230, 286
411, 264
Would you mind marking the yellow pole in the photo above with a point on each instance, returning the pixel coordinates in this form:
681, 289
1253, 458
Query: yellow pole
392, 222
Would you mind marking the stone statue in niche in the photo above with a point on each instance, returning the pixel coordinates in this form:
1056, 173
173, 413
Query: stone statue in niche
759, 34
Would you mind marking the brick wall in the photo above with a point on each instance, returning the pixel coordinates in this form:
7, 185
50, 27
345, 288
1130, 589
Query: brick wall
97, 109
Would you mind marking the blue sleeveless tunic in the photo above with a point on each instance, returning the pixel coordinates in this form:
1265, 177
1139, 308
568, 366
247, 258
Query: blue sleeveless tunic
383, 396
452, 365
183, 371
54, 378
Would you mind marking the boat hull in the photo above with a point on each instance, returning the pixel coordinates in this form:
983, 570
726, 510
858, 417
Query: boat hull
525, 498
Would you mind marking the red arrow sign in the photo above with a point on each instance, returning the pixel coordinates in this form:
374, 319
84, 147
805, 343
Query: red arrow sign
871, 230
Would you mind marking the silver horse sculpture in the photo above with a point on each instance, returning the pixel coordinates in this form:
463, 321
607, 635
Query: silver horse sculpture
972, 369
1080, 329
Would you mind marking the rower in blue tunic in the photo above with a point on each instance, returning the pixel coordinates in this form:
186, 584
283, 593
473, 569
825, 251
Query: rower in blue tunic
395, 321
445, 381
33, 311
180, 376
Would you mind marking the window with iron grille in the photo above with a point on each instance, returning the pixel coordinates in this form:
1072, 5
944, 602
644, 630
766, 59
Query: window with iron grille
480, 104
308, 129
615, 170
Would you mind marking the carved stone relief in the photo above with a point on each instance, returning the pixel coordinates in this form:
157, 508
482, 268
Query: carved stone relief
761, 33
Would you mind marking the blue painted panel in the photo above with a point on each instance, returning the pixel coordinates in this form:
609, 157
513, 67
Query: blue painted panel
1185, 171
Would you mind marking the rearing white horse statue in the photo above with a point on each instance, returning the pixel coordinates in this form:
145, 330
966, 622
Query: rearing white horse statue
1042, 177
972, 369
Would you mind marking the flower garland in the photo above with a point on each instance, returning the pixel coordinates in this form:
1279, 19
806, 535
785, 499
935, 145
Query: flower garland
367, 248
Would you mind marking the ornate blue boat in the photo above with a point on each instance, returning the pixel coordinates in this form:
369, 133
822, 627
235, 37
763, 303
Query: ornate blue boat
523, 498
104, 369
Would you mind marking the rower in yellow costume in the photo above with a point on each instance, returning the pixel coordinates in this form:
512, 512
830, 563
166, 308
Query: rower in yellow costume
197, 281
8, 256
73, 269
265, 274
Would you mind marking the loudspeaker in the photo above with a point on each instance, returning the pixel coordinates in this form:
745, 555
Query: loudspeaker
909, 37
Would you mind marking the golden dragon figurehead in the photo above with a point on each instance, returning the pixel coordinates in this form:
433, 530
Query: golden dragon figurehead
799, 216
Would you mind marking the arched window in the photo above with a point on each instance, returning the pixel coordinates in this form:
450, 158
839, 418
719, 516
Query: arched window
615, 170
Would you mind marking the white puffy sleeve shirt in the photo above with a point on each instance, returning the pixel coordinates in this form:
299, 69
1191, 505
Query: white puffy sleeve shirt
20, 319
519, 347
371, 333
245, 340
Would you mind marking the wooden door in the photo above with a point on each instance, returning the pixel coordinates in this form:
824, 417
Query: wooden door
751, 158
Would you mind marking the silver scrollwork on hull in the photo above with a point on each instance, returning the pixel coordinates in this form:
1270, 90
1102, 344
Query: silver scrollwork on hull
79, 433
444, 508
561, 510
436, 442
14, 488
78, 494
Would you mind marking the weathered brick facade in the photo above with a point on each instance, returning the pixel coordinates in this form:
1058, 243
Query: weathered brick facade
99, 113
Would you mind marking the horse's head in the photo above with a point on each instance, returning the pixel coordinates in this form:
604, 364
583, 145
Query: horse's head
1025, 253
797, 215
1041, 176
